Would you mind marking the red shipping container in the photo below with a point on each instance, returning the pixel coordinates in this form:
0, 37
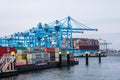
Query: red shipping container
6, 50
3, 50
52, 50
86, 44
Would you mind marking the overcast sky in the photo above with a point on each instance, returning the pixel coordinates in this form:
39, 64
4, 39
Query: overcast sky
20, 15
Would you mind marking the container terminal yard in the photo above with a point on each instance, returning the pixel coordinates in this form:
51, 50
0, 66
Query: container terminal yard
45, 46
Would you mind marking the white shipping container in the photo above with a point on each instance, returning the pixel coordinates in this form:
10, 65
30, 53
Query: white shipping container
19, 51
56, 55
46, 55
31, 56
39, 55
34, 56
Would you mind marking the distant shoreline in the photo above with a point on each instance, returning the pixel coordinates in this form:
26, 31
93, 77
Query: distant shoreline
114, 54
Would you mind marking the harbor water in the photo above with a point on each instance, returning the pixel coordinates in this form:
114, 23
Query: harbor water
108, 69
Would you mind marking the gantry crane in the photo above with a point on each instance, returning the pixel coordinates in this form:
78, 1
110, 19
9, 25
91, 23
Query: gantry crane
48, 35
104, 45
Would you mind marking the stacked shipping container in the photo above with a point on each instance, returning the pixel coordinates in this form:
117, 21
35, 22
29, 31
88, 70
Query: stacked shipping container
85, 44
6, 50
21, 57
26, 56
82, 44
65, 42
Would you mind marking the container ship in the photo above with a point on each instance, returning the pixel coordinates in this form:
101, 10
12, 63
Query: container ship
82, 45
22, 59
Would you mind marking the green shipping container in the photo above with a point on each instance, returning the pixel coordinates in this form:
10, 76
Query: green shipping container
20, 48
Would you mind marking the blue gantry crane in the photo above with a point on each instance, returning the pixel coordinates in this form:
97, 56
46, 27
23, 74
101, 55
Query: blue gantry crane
48, 35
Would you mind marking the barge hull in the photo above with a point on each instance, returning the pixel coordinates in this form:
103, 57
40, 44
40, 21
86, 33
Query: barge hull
26, 68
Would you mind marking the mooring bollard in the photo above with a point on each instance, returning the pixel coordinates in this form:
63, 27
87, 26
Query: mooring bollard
68, 58
99, 57
86, 57
60, 58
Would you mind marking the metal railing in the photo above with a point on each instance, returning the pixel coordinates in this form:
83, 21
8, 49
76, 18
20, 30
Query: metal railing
6, 61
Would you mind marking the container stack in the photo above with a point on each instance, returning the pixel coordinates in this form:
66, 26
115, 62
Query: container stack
31, 58
51, 51
6, 50
36, 58
46, 57
64, 42
21, 57
85, 44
